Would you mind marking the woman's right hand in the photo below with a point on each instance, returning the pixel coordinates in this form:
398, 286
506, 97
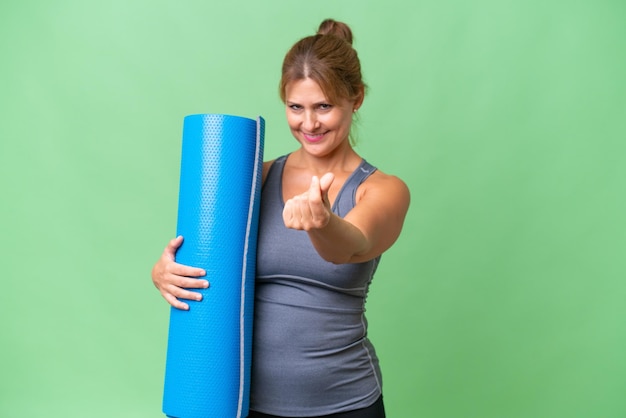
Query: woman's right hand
173, 279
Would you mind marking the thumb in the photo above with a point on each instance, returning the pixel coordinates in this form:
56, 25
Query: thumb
325, 182
173, 246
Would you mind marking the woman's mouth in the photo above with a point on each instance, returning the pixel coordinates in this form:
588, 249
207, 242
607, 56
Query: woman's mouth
313, 137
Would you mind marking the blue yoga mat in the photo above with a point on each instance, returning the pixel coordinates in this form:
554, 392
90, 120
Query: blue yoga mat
207, 370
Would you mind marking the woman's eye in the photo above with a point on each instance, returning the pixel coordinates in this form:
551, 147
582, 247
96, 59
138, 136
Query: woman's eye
295, 107
325, 106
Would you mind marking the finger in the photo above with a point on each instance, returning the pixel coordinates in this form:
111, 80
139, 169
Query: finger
315, 185
189, 283
172, 247
171, 299
185, 271
315, 193
181, 293
318, 214
318, 206
287, 214
291, 213
325, 182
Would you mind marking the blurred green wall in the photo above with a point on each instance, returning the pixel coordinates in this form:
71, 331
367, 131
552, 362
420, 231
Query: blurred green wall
505, 295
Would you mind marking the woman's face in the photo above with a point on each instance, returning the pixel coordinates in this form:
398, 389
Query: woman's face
319, 125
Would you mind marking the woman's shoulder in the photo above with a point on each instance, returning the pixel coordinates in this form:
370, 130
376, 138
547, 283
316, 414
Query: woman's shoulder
267, 165
381, 179
384, 185
266, 168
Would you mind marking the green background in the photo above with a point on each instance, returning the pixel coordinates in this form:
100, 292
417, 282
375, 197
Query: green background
504, 296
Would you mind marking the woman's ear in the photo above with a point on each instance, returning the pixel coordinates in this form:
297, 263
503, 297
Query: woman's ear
359, 100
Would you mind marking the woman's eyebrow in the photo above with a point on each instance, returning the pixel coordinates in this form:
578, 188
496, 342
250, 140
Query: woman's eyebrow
321, 102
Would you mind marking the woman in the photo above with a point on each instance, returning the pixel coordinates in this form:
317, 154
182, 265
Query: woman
326, 217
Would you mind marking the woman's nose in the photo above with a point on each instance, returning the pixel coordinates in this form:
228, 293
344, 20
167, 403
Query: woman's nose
310, 121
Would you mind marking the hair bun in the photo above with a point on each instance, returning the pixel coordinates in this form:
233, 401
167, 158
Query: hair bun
338, 29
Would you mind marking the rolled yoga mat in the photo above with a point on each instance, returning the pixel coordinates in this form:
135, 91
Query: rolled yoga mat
207, 371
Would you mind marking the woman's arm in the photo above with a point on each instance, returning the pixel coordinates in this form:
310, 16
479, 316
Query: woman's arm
369, 229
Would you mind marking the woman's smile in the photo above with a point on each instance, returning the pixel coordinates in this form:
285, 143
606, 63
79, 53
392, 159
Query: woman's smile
314, 137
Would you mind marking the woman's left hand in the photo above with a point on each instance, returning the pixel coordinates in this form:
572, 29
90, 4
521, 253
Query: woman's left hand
311, 209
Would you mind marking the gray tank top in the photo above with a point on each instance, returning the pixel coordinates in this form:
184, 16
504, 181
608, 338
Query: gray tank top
311, 354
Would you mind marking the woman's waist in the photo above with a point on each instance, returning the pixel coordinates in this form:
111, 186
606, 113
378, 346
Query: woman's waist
315, 331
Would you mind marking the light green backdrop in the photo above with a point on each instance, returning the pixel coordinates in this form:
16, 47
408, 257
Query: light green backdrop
505, 295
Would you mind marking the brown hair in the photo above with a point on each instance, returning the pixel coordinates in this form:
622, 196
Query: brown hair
329, 59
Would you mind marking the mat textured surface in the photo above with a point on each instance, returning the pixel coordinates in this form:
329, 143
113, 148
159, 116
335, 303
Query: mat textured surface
209, 347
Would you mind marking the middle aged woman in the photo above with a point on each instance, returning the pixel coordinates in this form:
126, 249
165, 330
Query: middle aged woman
326, 217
